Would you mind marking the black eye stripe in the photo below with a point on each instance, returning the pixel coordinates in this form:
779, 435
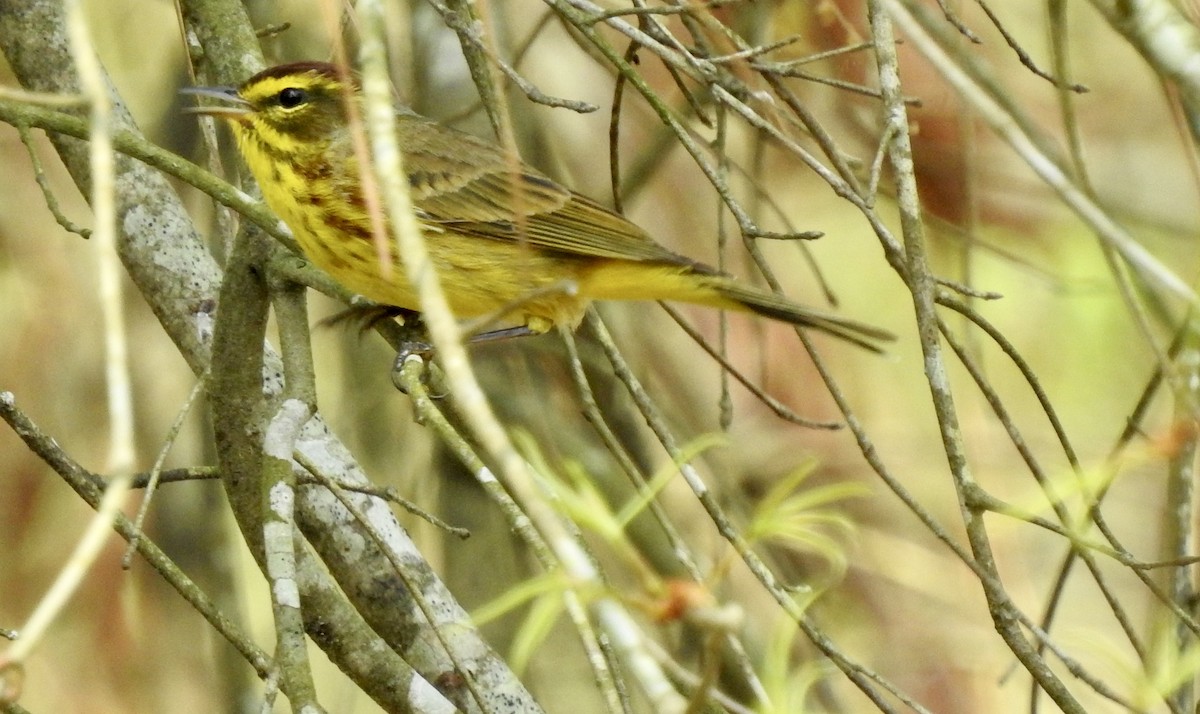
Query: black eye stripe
290, 97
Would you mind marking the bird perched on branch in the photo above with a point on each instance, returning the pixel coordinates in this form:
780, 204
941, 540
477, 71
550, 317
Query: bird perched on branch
499, 239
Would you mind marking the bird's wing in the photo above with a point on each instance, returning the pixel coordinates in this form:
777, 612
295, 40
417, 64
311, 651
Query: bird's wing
465, 184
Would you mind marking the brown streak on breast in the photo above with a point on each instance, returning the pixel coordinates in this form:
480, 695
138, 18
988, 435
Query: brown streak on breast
348, 227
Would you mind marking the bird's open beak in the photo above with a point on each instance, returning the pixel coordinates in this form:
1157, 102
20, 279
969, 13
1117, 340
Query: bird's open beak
234, 107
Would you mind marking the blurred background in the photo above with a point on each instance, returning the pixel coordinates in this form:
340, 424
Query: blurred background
892, 596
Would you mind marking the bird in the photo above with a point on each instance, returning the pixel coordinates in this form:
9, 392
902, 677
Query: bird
501, 238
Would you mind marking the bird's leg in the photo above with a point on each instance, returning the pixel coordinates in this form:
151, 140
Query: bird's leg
426, 349
477, 327
407, 336
368, 317
504, 333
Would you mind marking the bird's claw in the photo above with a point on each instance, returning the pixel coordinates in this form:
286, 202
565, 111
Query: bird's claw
420, 355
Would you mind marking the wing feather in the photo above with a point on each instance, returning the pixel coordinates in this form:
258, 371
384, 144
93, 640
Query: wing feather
462, 183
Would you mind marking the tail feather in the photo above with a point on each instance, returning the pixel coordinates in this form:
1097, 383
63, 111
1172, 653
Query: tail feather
695, 283
747, 298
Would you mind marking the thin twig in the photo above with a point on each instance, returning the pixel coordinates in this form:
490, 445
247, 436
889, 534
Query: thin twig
781, 410
1023, 56
151, 482
39, 175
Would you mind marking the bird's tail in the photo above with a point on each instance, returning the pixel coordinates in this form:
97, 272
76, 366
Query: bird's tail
740, 296
695, 283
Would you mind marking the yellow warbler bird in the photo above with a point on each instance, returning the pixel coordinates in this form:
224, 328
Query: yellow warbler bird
498, 239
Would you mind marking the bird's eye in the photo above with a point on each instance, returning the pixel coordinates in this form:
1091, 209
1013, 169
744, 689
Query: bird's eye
292, 97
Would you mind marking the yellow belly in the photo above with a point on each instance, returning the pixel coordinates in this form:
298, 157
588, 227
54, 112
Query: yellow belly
479, 276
